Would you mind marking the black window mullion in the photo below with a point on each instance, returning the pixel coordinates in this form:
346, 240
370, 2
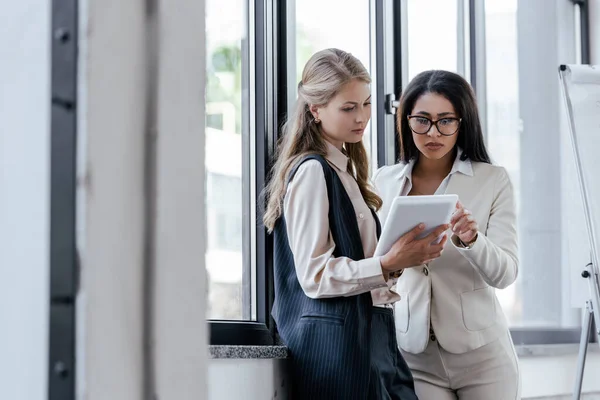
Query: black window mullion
584, 13
388, 72
264, 110
63, 156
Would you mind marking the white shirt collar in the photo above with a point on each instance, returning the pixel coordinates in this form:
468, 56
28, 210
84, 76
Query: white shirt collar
463, 166
336, 157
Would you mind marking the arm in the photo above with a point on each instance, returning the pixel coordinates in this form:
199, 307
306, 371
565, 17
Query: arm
494, 254
321, 275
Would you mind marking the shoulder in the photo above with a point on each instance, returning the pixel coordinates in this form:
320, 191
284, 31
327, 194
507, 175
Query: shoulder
487, 171
386, 172
310, 169
494, 173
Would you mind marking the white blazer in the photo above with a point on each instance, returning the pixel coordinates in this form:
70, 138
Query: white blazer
456, 292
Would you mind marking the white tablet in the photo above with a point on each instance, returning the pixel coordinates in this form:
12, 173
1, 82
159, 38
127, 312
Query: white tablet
406, 212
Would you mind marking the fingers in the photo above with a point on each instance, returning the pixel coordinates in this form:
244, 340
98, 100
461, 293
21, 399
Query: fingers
465, 224
437, 232
458, 215
411, 235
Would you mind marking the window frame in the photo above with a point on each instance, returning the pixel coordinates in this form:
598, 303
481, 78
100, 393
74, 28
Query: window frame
268, 65
472, 55
269, 27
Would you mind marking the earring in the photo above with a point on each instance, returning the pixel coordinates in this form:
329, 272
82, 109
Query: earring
317, 120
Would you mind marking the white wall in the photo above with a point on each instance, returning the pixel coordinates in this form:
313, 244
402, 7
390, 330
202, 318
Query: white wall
555, 375
24, 198
543, 377
248, 379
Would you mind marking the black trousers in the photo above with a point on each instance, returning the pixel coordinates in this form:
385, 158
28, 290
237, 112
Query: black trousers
391, 378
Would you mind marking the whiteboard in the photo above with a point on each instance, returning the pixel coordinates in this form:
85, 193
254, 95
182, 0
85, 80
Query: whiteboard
581, 91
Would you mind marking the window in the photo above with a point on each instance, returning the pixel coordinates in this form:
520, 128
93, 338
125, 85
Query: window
432, 35
315, 30
226, 196
503, 132
539, 300
255, 54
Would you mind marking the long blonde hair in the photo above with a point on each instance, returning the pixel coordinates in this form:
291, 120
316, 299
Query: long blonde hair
324, 75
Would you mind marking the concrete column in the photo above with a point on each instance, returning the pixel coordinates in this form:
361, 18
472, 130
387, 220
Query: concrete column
141, 309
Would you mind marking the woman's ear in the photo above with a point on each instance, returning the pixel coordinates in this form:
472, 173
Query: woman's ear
314, 110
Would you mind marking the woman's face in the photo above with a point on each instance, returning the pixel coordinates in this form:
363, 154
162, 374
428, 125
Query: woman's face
345, 117
429, 109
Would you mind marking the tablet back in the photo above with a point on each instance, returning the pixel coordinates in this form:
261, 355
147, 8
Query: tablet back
407, 212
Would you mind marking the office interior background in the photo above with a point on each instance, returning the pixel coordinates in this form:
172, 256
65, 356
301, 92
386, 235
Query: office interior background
136, 138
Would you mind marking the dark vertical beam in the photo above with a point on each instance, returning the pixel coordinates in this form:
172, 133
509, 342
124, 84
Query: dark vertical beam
584, 13
271, 108
473, 43
388, 39
380, 90
399, 73
280, 112
63, 161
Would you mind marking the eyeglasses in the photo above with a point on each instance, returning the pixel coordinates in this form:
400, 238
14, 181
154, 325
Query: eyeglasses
445, 126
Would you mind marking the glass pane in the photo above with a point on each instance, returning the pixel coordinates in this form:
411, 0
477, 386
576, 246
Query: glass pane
317, 30
502, 86
432, 35
228, 291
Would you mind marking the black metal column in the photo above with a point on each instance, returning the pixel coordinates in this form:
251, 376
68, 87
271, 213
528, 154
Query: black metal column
584, 13
63, 255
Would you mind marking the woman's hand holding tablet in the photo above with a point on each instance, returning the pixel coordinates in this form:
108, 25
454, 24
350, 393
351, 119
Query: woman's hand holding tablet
408, 251
414, 230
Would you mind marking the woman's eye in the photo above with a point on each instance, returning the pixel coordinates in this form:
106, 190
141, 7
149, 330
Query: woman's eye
347, 109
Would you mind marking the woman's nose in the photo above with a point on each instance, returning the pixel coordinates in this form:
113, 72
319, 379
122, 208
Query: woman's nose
433, 131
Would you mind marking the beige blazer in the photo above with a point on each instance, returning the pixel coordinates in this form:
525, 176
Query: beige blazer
456, 292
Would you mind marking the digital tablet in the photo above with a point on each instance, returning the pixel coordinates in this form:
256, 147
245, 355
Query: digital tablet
406, 212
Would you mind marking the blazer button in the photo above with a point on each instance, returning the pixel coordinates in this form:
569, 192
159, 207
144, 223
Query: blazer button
425, 271
361, 216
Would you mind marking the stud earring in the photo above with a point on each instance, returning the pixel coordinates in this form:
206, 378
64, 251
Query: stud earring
317, 120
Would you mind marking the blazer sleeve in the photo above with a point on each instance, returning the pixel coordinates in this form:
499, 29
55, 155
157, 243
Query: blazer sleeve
321, 275
495, 253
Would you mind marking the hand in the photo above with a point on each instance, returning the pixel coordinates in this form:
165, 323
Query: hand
464, 225
409, 251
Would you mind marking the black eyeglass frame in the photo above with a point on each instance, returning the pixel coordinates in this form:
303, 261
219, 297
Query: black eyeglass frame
432, 123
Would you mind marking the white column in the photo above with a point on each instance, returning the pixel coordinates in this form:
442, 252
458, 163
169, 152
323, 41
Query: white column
111, 131
24, 198
179, 326
142, 121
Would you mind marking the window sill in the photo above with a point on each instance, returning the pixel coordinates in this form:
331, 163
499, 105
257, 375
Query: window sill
281, 352
252, 352
552, 350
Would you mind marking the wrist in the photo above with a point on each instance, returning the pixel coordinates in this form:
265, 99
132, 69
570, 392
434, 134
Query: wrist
385, 267
468, 244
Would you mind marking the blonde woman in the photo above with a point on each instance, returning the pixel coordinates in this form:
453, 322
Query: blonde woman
321, 210
450, 325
